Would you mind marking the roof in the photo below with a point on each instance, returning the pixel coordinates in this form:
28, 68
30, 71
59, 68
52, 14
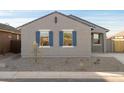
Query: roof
71, 17
8, 28
86, 22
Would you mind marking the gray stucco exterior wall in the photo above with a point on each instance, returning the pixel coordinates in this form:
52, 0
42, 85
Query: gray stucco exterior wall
83, 48
109, 45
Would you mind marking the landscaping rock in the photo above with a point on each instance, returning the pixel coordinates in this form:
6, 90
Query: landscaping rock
3, 65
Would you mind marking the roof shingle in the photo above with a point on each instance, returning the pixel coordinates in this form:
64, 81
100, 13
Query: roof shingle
8, 28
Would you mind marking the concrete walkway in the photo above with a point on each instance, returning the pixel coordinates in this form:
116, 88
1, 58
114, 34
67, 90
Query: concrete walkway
103, 76
118, 56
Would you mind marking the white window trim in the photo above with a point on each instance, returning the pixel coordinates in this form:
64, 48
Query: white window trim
68, 46
43, 30
44, 46
68, 30
97, 44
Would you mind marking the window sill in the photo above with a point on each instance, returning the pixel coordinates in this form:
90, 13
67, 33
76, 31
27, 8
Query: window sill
44, 47
97, 44
67, 46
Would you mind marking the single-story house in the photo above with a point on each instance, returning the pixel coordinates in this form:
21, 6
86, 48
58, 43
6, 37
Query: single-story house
7, 33
116, 42
60, 35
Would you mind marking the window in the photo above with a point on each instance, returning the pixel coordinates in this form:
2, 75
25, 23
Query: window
44, 38
17, 37
96, 39
67, 38
9, 36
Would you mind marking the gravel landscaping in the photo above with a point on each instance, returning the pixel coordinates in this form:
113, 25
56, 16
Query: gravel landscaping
16, 63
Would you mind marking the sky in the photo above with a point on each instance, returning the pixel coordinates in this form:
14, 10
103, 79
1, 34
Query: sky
110, 19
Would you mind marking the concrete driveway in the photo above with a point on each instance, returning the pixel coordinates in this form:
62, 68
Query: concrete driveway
118, 56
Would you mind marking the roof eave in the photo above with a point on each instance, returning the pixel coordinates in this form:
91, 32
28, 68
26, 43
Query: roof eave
9, 31
87, 22
107, 30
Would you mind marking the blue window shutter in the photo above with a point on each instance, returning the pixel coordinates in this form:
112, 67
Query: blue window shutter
74, 38
61, 38
51, 38
38, 37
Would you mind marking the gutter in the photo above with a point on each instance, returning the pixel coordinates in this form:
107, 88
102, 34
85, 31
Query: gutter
2, 30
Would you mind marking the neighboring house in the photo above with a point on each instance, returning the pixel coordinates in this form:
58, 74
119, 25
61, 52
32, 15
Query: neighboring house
60, 35
7, 33
116, 42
